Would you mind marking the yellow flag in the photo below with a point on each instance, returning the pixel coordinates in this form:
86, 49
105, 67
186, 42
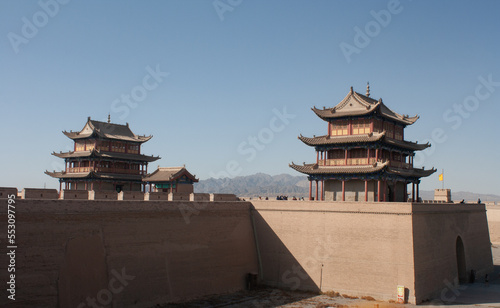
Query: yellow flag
441, 177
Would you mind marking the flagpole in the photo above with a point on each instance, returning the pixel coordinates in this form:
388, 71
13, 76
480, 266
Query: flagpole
443, 177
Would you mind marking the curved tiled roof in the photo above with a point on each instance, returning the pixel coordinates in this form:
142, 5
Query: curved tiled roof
408, 144
315, 169
411, 172
312, 169
325, 140
94, 175
372, 137
106, 154
356, 104
168, 174
107, 131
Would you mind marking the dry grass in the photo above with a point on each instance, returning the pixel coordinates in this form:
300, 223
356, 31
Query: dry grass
349, 297
331, 293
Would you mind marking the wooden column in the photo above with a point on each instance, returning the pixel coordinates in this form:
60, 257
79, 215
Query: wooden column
378, 191
316, 199
346, 157
377, 154
412, 191
323, 190
60, 187
343, 190
317, 192
418, 191
366, 190
368, 156
385, 190
394, 192
317, 157
310, 190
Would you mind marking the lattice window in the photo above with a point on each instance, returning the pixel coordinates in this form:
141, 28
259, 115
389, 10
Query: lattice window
361, 126
340, 128
80, 146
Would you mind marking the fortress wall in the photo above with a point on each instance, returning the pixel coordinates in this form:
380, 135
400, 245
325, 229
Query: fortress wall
141, 253
179, 196
199, 197
39, 193
75, 194
131, 195
350, 247
223, 197
493, 213
436, 228
103, 195
7, 191
156, 196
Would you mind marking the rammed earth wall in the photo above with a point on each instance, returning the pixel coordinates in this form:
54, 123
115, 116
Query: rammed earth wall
143, 253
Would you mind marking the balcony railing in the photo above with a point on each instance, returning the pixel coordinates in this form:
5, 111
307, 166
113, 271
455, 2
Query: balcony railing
401, 165
105, 170
350, 161
360, 161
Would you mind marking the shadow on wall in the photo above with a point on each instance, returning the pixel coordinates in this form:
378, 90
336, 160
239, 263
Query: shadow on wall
283, 271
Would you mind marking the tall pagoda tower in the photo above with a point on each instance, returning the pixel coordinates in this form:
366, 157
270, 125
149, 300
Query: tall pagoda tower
363, 156
106, 156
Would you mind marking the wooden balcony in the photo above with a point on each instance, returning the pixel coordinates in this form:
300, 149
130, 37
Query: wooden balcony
402, 165
361, 161
350, 162
105, 170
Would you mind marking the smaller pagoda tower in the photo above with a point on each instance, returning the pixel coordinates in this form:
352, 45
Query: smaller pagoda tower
106, 156
170, 179
363, 156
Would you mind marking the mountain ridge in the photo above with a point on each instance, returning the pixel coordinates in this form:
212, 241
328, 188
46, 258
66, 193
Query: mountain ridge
265, 185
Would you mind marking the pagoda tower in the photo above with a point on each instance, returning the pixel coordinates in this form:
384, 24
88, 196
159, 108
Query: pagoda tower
106, 156
364, 156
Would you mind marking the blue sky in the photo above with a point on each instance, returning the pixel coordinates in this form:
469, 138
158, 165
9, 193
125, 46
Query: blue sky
230, 83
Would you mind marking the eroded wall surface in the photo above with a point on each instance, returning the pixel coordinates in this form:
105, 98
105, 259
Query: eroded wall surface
127, 253
362, 249
143, 253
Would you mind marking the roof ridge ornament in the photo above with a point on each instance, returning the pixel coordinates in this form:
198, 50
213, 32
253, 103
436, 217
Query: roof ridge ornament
352, 90
109, 118
368, 89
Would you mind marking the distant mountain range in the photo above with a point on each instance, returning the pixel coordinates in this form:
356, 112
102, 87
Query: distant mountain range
262, 184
